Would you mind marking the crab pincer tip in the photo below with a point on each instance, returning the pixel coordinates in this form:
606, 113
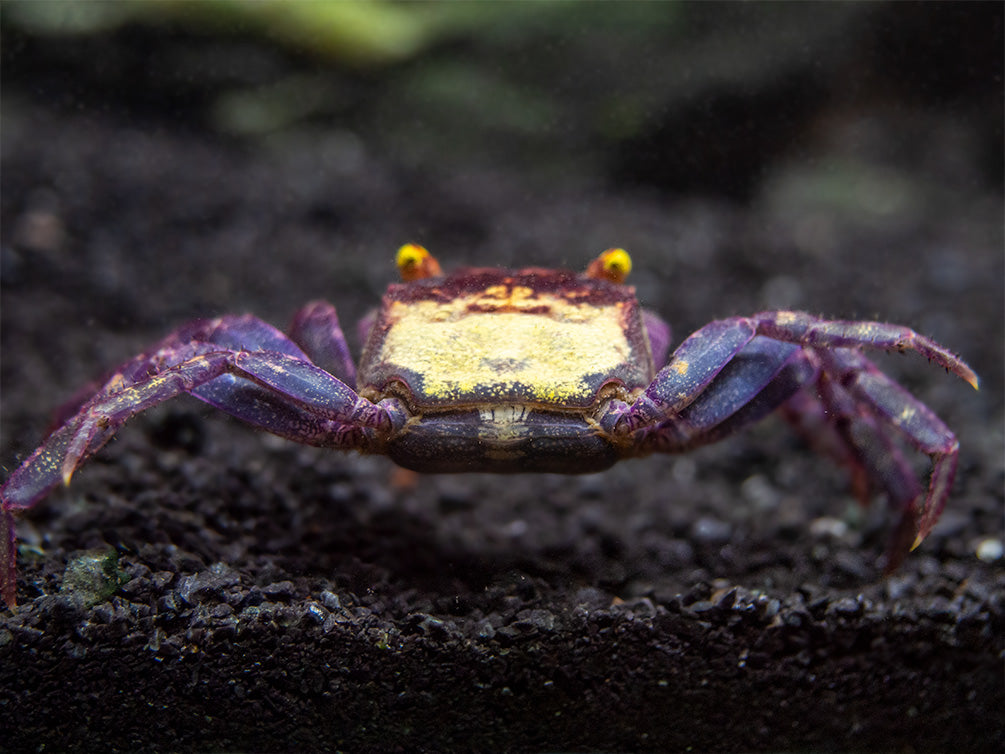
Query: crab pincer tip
965, 373
68, 469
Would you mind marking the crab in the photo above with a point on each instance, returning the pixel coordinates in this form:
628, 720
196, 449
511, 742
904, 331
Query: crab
528, 370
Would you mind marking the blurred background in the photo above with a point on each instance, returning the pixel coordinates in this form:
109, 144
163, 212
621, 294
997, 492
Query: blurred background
743, 152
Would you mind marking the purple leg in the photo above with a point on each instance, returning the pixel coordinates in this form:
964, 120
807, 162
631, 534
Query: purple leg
721, 379
229, 392
365, 325
238, 332
214, 361
691, 369
759, 379
894, 407
8, 559
659, 335
816, 420
705, 352
316, 329
807, 330
315, 324
856, 435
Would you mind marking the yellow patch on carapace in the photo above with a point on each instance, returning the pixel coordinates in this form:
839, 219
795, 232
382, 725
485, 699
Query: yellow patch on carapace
680, 366
504, 341
516, 296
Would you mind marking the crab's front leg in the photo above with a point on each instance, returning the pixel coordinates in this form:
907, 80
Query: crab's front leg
691, 369
698, 360
223, 362
719, 380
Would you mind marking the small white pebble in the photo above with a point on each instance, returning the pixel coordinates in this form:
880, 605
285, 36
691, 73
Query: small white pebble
990, 549
760, 493
828, 527
516, 528
684, 470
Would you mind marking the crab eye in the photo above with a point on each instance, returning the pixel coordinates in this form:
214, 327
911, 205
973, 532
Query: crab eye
613, 265
415, 263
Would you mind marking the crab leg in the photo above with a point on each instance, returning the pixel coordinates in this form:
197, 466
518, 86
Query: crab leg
807, 330
705, 352
659, 335
759, 379
331, 409
716, 383
693, 366
831, 420
235, 333
316, 329
897, 408
291, 397
243, 332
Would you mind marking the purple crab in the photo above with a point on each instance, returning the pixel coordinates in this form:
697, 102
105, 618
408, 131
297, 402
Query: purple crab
530, 370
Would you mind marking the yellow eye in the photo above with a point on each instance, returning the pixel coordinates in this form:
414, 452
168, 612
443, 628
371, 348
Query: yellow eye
411, 255
617, 263
415, 263
613, 265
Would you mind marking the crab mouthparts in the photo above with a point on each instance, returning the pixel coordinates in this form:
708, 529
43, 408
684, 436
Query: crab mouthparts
504, 438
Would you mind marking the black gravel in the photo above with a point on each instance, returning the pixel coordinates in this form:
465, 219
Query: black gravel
202, 587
